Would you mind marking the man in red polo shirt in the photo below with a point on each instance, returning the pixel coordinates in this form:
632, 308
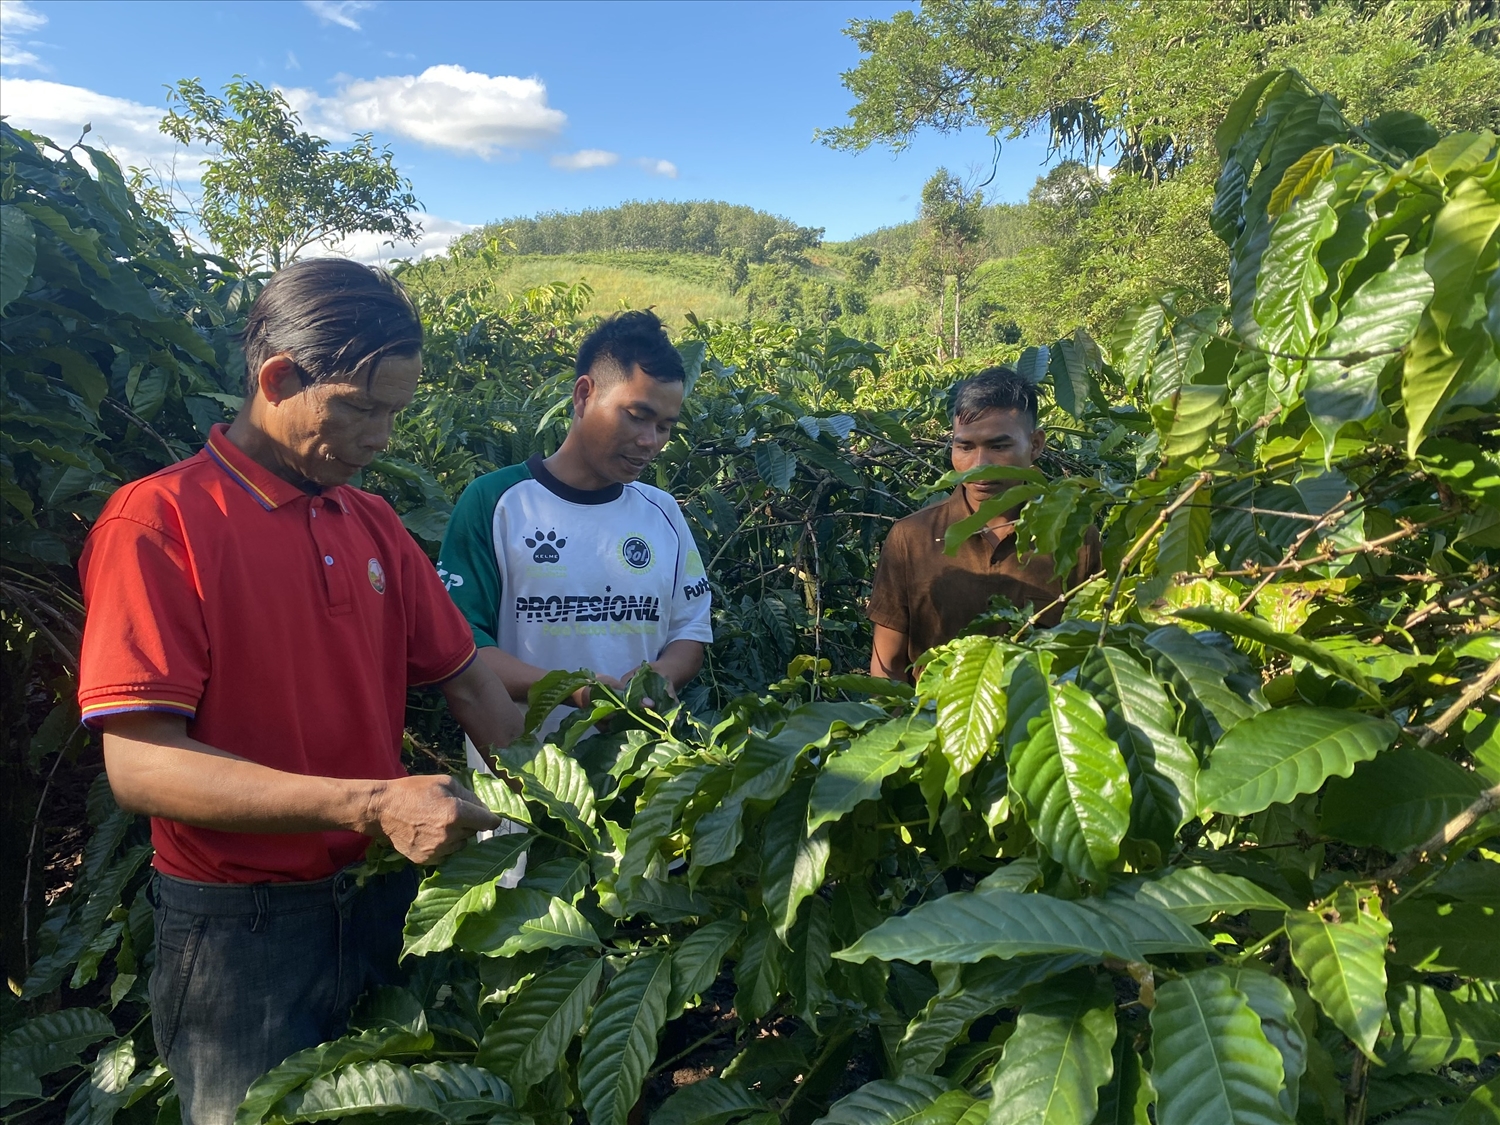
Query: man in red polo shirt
253, 625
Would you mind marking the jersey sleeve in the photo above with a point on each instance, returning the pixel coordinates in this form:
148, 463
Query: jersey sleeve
145, 641
439, 642
467, 566
890, 601
691, 597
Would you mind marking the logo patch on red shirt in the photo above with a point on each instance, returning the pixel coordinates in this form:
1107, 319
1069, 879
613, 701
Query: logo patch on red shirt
377, 575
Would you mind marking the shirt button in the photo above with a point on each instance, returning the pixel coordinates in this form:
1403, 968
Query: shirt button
327, 560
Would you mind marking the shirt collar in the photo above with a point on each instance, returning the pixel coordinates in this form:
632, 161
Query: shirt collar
269, 490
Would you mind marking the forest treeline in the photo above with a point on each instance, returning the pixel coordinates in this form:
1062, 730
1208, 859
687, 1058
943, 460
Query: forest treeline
697, 227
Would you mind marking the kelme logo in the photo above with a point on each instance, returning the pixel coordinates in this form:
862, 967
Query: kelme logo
635, 552
547, 547
376, 574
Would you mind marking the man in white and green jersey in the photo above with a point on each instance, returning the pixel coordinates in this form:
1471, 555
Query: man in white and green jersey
569, 561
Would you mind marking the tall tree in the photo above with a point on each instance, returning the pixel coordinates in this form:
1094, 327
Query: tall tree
271, 190
1145, 86
950, 245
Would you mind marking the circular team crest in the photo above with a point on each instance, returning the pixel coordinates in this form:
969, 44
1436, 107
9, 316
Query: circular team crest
694, 565
635, 553
376, 574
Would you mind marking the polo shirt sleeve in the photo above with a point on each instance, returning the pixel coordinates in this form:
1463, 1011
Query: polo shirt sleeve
890, 594
467, 566
439, 643
691, 600
145, 641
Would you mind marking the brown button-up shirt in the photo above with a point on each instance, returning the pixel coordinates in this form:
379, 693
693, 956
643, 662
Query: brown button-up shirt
931, 597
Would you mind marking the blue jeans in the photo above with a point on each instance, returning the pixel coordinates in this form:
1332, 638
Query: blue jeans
247, 974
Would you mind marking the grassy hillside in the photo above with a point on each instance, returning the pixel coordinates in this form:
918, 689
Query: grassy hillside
864, 286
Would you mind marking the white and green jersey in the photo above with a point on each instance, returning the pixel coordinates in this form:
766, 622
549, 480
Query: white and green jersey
565, 578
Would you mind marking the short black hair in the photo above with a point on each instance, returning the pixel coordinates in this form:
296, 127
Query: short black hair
632, 339
333, 317
994, 388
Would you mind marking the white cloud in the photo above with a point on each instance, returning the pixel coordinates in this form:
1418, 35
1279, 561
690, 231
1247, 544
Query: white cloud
584, 159
16, 18
127, 129
445, 106
17, 15
376, 249
340, 12
658, 167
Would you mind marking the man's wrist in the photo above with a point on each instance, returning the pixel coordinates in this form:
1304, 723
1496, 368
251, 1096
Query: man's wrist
366, 802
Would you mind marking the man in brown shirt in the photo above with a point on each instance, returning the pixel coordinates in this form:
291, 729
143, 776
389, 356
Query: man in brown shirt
922, 597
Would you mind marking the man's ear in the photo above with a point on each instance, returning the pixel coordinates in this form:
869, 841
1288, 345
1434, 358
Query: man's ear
583, 390
1038, 442
278, 379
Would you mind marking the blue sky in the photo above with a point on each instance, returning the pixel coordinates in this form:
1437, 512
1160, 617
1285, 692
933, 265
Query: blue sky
496, 110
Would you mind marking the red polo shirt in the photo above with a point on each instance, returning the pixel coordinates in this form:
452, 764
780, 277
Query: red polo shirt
286, 627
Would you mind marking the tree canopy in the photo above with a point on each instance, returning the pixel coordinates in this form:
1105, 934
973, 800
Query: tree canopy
271, 190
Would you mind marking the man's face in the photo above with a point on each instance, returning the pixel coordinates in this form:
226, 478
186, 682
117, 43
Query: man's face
624, 423
327, 432
996, 437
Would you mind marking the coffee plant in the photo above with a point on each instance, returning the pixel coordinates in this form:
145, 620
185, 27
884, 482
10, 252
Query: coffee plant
1218, 848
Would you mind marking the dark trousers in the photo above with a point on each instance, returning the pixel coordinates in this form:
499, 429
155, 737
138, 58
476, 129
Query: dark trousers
247, 974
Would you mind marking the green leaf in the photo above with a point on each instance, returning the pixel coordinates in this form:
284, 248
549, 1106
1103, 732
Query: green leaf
1483, 1106
855, 774
1435, 936
764, 769
653, 823
1188, 419
19, 259
1138, 716
1213, 1060
1272, 1001
964, 927
527, 1040
621, 1039
967, 993
1342, 955
1195, 894
557, 782
1377, 320
792, 858
1152, 930
971, 701
267, 1090
1058, 1056
1461, 233
1067, 771
45, 1044
361, 1087
1272, 757
522, 920
551, 692
1431, 1027
499, 797
709, 1101
463, 885
758, 973
696, 960
1242, 111
887, 1101
1207, 681
1291, 278
1126, 1098
1261, 631
806, 960
1134, 341
775, 465
1397, 800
